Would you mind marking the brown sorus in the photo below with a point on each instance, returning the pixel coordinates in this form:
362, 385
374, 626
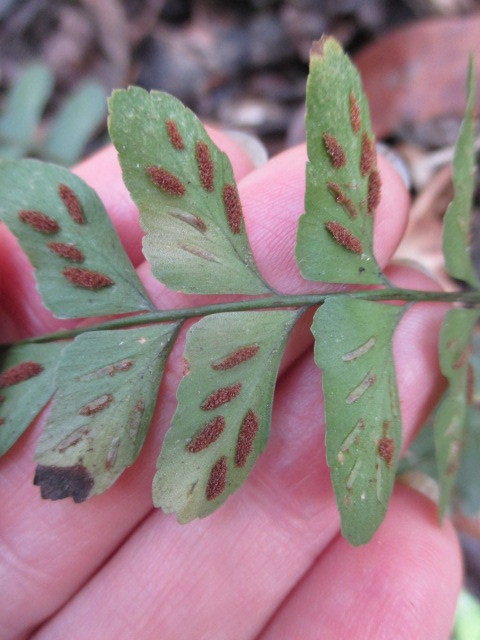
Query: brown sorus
20, 373
57, 483
72, 203
39, 221
355, 119
221, 396
236, 357
343, 199
2, 421
96, 405
2, 398
207, 436
246, 436
174, 135
166, 181
218, 479
335, 151
233, 208
343, 236
386, 450
86, 278
205, 165
368, 157
374, 191
67, 251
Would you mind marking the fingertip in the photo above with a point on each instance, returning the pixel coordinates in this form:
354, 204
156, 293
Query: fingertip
391, 216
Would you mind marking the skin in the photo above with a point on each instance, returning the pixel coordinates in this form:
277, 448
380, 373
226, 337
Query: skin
271, 562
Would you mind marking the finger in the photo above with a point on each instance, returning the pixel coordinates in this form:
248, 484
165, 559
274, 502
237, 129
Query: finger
23, 313
402, 585
261, 543
103, 521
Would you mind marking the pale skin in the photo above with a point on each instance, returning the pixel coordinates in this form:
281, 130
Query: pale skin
270, 564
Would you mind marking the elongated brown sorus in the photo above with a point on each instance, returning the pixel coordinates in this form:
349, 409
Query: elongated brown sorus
39, 221
166, 181
72, 203
344, 237
19, 373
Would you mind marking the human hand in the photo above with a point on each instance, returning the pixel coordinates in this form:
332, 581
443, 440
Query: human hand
271, 562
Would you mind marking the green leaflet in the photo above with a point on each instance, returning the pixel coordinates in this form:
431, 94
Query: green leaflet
26, 100
224, 409
467, 485
107, 388
353, 346
456, 224
184, 188
451, 416
335, 235
78, 119
81, 267
26, 384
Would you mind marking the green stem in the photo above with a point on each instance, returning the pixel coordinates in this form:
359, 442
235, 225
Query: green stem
272, 302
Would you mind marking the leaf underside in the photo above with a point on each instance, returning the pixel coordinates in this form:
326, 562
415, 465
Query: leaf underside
335, 235
353, 346
457, 220
107, 388
81, 267
224, 409
26, 384
451, 416
184, 188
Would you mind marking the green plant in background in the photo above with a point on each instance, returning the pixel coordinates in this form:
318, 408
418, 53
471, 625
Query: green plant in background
73, 126
107, 375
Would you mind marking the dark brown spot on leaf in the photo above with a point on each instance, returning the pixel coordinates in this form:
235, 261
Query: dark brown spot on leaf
218, 479
355, 119
63, 482
174, 135
2, 398
39, 221
246, 436
96, 405
343, 236
2, 421
368, 159
233, 208
72, 203
86, 278
20, 373
207, 436
386, 450
374, 191
236, 357
205, 165
335, 151
343, 199
221, 396
166, 181
67, 251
